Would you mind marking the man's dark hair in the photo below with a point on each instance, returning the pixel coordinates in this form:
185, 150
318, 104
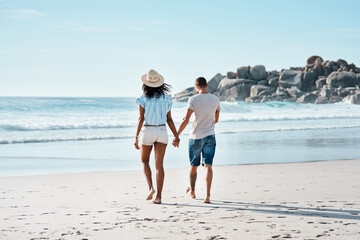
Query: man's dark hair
151, 92
201, 82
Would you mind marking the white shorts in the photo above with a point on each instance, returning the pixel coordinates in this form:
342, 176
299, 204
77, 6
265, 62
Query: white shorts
151, 134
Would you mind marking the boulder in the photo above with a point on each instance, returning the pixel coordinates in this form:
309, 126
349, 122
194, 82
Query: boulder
318, 68
325, 93
266, 99
355, 99
257, 89
276, 98
272, 74
289, 78
282, 92
334, 99
344, 79
307, 98
346, 99
294, 92
227, 83
274, 81
263, 83
320, 83
341, 62
243, 72
213, 84
309, 81
329, 67
343, 93
231, 75
310, 62
256, 99
290, 100
236, 91
184, 95
321, 100
352, 90
258, 72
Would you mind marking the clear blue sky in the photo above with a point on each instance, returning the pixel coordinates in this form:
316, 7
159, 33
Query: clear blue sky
101, 48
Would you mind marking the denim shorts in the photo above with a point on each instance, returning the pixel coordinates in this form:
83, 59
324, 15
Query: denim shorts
205, 147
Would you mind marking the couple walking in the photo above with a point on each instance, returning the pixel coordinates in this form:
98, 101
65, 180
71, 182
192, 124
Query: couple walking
155, 111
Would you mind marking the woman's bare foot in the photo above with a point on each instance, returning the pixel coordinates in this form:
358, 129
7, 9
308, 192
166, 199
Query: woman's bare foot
190, 193
151, 193
207, 200
157, 201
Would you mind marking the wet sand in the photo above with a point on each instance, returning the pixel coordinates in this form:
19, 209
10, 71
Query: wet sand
316, 200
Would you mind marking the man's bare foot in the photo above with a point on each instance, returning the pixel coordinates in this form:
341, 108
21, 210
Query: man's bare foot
151, 193
157, 201
190, 193
207, 200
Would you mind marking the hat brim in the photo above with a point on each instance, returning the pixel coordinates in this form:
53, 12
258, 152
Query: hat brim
150, 84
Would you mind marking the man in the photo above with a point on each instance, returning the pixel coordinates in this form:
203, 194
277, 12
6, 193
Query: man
206, 107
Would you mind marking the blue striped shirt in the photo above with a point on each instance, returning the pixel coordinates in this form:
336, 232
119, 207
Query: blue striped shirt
156, 109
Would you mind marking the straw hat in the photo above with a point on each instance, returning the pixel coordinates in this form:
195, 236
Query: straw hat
152, 79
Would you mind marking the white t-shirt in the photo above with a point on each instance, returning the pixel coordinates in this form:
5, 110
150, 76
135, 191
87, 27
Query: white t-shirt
204, 105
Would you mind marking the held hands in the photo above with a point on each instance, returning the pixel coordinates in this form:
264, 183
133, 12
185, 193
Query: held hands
136, 144
176, 142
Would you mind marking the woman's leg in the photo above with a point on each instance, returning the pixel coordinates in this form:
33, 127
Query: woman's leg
145, 152
160, 149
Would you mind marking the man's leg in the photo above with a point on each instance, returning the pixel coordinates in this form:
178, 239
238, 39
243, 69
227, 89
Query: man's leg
209, 177
208, 153
195, 146
193, 177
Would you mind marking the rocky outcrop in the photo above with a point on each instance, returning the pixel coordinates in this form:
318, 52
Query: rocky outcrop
318, 82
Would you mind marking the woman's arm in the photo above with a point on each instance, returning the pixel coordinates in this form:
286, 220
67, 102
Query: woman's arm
172, 127
139, 126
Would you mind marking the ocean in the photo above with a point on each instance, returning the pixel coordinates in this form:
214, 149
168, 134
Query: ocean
64, 135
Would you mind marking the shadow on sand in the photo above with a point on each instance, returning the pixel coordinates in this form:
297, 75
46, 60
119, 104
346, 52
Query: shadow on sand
326, 212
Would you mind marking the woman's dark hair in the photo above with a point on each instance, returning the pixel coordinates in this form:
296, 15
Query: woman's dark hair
151, 92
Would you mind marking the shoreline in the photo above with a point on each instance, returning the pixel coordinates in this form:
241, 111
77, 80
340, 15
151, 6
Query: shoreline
311, 200
177, 168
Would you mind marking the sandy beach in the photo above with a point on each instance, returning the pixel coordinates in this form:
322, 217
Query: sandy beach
317, 200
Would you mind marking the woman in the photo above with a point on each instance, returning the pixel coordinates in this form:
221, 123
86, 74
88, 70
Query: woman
155, 112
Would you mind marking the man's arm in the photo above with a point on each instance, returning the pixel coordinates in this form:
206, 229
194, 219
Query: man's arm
217, 115
185, 121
